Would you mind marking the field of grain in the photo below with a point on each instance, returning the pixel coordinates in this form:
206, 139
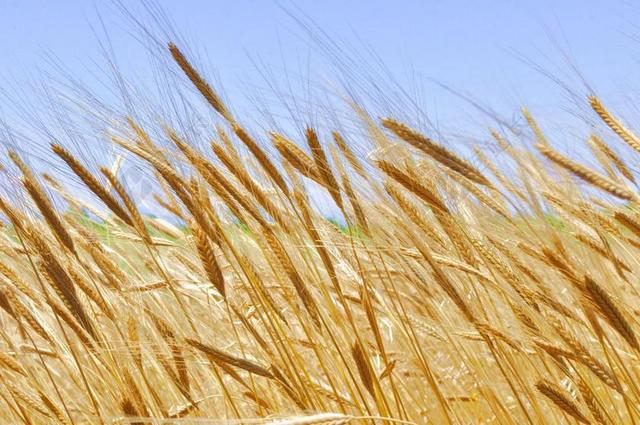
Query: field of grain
451, 291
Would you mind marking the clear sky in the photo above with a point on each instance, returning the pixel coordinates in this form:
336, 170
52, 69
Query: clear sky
479, 47
497, 51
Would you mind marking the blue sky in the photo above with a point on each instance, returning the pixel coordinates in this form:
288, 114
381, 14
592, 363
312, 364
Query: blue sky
496, 51
474, 46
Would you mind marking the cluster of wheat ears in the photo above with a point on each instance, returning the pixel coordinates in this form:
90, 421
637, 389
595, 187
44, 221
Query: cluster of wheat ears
448, 297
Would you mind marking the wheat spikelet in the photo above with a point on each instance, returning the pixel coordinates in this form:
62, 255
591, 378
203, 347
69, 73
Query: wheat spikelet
208, 259
322, 165
297, 158
348, 153
12, 364
413, 185
90, 181
580, 353
613, 157
509, 253
499, 175
523, 291
92, 293
49, 213
62, 283
78, 322
455, 232
479, 195
28, 400
220, 356
363, 366
163, 168
229, 146
499, 335
588, 175
320, 245
143, 136
15, 217
24, 313
614, 124
540, 137
220, 185
627, 221
610, 311
262, 158
463, 267
554, 350
361, 218
212, 177
182, 378
252, 276
250, 185
169, 206
134, 341
134, 214
445, 283
301, 288
136, 401
561, 400
437, 152
114, 277
53, 408
603, 251
592, 402
130, 410
19, 283
200, 84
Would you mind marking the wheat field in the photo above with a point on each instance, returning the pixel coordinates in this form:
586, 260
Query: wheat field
453, 291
